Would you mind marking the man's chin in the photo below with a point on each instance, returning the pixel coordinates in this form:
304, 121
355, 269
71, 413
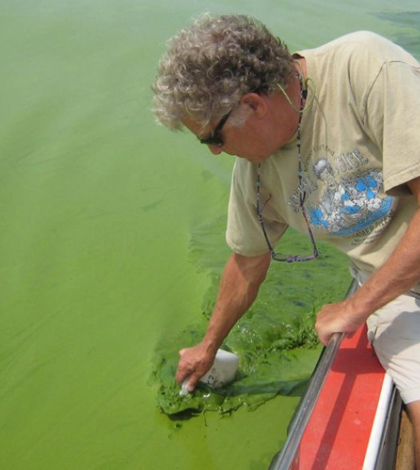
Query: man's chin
254, 159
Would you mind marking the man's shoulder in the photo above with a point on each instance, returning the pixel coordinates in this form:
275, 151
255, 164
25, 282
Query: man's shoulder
366, 44
358, 37
360, 56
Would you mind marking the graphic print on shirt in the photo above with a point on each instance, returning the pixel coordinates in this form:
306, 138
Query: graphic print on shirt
351, 205
344, 195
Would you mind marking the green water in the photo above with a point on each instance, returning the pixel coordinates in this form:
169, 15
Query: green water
100, 210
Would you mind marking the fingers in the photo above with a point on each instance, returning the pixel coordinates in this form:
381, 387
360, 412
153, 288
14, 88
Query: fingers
324, 332
192, 382
193, 364
182, 372
324, 339
323, 336
189, 369
335, 318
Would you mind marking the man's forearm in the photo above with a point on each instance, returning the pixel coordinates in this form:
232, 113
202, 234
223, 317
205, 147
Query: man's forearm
398, 274
239, 286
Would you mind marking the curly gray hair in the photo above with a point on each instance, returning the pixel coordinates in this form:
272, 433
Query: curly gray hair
210, 65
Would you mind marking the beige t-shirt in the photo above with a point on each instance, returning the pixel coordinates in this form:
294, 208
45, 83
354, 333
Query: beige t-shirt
360, 146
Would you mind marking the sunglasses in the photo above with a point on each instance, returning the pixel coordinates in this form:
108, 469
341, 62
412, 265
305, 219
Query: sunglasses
215, 138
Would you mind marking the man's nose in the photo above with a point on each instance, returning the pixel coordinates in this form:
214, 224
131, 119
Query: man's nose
215, 149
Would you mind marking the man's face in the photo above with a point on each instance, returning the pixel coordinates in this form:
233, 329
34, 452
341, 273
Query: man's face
262, 130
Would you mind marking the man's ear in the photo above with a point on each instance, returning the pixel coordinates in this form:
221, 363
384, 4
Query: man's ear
256, 102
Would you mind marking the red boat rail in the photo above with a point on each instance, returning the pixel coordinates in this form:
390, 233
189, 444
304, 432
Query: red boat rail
342, 420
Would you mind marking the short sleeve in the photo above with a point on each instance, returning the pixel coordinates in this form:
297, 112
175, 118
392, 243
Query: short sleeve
244, 234
392, 117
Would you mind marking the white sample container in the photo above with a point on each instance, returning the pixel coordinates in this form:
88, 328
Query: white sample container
221, 372
223, 369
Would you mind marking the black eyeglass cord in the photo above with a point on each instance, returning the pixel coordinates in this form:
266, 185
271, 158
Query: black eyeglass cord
302, 192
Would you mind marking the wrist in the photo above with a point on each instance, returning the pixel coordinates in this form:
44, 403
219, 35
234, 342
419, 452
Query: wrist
361, 306
210, 344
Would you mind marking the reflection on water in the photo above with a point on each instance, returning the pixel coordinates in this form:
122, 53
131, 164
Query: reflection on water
110, 240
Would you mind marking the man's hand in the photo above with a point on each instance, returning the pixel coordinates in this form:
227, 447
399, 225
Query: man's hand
338, 318
193, 364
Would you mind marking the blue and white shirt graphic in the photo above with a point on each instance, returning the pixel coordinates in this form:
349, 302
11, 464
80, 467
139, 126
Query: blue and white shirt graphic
349, 205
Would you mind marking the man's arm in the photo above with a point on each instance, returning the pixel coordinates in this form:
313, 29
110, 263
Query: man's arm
395, 277
239, 286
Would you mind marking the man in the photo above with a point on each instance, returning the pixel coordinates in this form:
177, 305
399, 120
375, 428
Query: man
327, 141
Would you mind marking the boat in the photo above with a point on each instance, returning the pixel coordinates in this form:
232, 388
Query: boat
351, 416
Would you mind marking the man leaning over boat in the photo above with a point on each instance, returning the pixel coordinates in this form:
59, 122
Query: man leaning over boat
326, 141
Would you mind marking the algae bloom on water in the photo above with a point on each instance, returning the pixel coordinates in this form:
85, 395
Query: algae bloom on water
271, 362
275, 340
